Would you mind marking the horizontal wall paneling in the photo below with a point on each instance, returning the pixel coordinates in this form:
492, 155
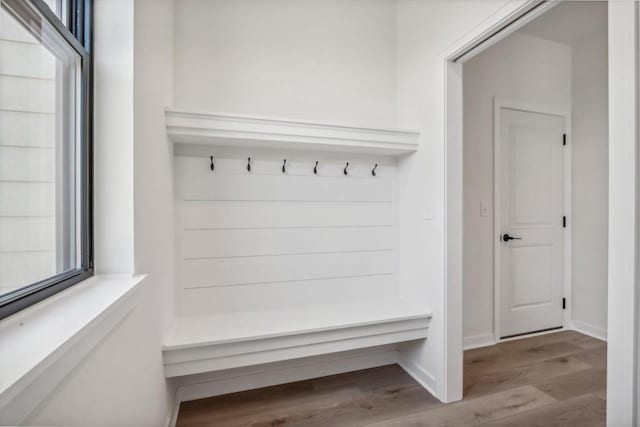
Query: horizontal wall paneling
247, 239
226, 299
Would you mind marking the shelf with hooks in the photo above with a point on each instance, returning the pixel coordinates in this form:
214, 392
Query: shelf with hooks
232, 130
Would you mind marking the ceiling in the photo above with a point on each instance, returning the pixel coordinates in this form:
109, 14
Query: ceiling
569, 22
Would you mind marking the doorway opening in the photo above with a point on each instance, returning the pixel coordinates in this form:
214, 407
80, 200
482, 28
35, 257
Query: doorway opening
535, 203
532, 100
535, 186
621, 291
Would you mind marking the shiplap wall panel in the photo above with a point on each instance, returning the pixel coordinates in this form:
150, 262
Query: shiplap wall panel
251, 270
263, 239
203, 301
251, 242
24, 129
288, 214
283, 187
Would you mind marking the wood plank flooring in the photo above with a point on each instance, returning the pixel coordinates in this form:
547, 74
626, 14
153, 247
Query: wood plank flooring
550, 380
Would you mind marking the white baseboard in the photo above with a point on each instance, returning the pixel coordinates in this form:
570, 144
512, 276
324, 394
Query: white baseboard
240, 379
587, 329
477, 341
424, 378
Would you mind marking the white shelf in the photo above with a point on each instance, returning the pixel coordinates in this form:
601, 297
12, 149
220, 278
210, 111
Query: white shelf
218, 129
225, 341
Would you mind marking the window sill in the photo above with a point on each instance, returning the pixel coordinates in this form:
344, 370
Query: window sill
57, 333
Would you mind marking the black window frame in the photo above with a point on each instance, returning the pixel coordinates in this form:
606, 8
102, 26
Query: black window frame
79, 34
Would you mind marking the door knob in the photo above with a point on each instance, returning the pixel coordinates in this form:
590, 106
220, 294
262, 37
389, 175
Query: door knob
506, 237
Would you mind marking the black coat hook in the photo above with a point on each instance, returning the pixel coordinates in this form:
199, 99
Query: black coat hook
212, 165
248, 164
284, 166
345, 169
315, 168
373, 171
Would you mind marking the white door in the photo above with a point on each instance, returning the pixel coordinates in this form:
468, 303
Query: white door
531, 198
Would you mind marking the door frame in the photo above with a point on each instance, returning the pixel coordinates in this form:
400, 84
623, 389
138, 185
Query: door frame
498, 105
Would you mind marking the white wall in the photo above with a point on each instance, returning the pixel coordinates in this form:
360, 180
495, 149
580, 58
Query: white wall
153, 184
113, 137
153, 153
590, 184
425, 30
320, 60
521, 68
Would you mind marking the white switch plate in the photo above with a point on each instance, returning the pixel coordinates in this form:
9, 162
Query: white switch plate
484, 208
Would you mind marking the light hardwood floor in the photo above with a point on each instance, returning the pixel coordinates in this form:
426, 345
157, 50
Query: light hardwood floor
550, 380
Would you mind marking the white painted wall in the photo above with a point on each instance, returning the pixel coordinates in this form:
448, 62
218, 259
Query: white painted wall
590, 184
153, 154
113, 144
319, 60
425, 30
520, 68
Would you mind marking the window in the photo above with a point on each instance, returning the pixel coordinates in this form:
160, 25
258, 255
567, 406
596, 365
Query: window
45, 149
